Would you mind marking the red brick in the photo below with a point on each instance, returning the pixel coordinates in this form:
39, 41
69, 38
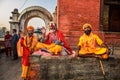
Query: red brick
72, 14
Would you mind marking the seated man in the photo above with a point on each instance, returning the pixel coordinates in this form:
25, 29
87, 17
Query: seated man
56, 41
88, 44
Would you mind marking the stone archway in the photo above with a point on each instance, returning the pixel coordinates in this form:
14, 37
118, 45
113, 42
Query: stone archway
20, 20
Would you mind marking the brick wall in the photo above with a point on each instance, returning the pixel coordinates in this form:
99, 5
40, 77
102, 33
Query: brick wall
72, 14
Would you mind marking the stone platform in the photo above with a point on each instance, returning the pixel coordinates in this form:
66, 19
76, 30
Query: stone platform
63, 68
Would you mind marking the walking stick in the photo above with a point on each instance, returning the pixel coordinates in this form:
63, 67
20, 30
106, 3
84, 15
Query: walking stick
100, 61
102, 68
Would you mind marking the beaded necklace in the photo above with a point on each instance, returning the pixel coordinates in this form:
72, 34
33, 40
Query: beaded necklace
30, 43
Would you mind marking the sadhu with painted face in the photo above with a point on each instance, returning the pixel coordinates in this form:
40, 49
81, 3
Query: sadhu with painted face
56, 37
88, 43
28, 42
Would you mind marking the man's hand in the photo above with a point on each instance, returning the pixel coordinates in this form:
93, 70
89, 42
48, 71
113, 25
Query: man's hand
43, 30
31, 51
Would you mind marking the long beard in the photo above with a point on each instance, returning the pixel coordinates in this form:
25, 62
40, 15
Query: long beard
30, 34
87, 32
52, 31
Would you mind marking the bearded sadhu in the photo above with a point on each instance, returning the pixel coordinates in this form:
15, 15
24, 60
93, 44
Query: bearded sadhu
28, 44
55, 38
88, 43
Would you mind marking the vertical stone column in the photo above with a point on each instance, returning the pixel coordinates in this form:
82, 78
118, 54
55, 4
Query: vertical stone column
14, 23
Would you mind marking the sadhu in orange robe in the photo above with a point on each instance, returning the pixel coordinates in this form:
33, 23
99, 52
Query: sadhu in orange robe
27, 44
89, 45
53, 38
53, 45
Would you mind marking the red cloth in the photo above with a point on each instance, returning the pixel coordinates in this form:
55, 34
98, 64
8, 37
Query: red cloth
25, 57
7, 40
26, 54
8, 36
61, 37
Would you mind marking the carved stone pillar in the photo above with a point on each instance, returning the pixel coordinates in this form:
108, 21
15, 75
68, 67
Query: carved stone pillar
14, 23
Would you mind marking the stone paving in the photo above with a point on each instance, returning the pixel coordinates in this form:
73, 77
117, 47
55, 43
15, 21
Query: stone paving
9, 69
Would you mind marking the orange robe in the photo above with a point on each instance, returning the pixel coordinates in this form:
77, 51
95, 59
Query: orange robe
20, 48
89, 44
53, 48
28, 44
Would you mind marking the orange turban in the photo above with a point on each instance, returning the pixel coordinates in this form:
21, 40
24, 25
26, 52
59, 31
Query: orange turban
86, 25
30, 28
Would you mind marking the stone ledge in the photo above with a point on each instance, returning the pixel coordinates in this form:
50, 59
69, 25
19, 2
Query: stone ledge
62, 68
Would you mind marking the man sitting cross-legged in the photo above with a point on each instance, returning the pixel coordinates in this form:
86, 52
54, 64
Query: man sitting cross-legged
88, 44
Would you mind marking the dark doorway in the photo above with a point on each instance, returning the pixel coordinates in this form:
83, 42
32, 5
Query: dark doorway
111, 16
114, 18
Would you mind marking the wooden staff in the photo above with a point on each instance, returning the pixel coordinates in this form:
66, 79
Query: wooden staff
102, 68
100, 61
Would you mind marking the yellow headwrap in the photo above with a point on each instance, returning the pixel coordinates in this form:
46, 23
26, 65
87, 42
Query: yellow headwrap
86, 25
30, 28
